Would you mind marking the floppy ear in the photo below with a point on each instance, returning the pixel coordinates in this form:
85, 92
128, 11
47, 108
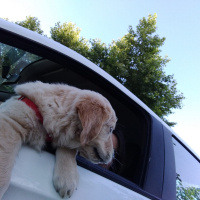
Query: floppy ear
92, 116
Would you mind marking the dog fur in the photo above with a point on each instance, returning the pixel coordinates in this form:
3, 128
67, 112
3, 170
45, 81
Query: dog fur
78, 120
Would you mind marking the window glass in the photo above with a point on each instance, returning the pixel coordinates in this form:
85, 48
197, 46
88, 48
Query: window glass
12, 62
187, 173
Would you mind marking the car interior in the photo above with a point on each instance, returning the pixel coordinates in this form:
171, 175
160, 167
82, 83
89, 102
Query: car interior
133, 121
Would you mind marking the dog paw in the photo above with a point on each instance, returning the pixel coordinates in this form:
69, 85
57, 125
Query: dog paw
65, 184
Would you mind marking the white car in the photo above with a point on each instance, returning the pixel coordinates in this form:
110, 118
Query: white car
154, 163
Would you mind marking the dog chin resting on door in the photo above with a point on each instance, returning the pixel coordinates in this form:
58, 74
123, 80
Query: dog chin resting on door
76, 120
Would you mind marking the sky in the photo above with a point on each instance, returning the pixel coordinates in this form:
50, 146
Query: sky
177, 20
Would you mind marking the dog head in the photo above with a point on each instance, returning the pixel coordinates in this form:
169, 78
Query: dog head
98, 120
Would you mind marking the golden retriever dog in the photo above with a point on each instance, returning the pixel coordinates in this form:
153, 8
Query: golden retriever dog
76, 120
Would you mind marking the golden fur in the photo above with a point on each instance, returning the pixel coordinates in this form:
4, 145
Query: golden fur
77, 119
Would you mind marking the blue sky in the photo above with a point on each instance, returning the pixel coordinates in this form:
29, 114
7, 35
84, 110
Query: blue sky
178, 21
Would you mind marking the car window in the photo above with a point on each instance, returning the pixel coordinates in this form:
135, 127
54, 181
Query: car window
132, 131
12, 61
188, 173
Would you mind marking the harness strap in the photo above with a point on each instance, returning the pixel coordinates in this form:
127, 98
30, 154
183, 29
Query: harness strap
32, 105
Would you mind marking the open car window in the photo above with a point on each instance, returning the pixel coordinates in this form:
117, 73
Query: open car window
129, 165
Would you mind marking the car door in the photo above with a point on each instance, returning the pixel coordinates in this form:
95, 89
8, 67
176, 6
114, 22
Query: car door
142, 172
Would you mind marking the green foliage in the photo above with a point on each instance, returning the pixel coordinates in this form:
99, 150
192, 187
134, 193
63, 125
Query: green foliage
141, 68
186, 193
134, 60
69, 35
98, 52
31, 23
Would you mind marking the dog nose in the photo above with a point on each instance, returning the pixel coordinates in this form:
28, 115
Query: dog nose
98, 155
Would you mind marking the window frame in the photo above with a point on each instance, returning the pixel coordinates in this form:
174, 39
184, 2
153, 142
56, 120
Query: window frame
154, 176
169, 187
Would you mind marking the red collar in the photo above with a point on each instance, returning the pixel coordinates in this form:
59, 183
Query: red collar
32, 105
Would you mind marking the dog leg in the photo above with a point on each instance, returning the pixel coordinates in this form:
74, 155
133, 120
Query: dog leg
65, 176
8, 152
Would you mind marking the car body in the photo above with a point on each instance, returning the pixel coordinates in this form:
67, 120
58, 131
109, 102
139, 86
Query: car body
153, 166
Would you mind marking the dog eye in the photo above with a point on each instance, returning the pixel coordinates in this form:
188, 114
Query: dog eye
111, 129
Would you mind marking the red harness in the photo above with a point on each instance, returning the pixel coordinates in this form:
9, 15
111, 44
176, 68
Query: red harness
32, 105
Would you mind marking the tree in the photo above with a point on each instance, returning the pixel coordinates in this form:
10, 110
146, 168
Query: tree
31, 23
98, 52
135, 61
69, 35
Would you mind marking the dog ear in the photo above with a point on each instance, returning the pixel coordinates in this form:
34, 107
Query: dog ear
92, 116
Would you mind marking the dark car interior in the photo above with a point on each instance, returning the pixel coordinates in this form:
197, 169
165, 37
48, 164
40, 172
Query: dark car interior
133, 121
